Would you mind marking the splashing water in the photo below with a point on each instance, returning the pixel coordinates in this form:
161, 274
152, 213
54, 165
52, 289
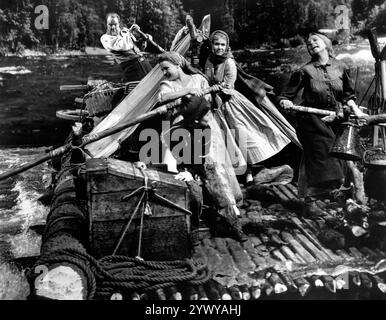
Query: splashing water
19, 209
15, 70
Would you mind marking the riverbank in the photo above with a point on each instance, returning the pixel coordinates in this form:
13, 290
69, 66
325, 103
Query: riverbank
94, 51
98, 51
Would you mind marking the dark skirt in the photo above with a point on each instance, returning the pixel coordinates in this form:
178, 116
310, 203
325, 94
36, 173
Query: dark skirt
136, 68
317, 138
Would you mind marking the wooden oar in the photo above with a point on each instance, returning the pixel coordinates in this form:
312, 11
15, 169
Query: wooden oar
146, 36
382, 63
163, 109
373, 119
316, 111
371, 33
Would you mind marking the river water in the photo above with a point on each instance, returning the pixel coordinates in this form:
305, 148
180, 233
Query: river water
29, 98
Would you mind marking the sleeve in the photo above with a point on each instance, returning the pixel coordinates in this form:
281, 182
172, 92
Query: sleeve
165, 87
295, 83
204, 85
117, 43
230, 73
348, 85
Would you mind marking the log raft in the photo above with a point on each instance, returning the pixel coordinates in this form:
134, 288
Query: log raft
270, 262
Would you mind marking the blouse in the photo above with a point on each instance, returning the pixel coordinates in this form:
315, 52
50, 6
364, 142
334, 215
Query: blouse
325, 86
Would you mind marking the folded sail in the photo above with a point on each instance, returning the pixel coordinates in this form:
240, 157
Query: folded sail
142, 99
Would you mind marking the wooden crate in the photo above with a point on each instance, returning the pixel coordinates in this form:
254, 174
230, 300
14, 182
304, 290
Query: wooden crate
166, 233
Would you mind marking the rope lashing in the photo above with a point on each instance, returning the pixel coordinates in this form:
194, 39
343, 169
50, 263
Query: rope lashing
126, 274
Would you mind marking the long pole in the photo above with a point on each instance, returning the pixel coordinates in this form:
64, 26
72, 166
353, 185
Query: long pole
163, 109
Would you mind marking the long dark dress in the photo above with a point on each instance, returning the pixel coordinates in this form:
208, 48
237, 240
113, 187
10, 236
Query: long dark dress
324, 87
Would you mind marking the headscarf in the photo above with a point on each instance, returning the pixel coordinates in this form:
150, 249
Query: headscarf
326, 41
216, 59
179, 60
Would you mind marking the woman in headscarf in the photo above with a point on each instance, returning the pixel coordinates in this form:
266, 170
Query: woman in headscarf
216, 171
255, 133
326, 84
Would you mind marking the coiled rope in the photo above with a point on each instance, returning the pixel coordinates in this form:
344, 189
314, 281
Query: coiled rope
113, 274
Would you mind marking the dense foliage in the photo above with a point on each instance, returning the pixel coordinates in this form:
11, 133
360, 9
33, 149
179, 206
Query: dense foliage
79, 23
74, 24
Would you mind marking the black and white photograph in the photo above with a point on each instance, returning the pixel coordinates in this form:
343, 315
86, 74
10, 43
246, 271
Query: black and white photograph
193, 150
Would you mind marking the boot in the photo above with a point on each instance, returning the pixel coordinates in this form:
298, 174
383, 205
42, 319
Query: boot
235, 230
310, 209
237, 233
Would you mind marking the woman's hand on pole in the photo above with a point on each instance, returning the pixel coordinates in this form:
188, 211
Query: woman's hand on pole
286, 104
355, 109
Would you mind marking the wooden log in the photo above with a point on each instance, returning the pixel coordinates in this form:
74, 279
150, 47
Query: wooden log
356, 253
160, 294
378, 283
284, 251
289, 283
293, 189
311, 237
201, 293
310, 224
224, 294
268, 288
366, 281
342, 281
116, 296
255, 292
370, 253
209, 243
255, 241
221, 245
289, 254
240, 256
212, 291
357, 177
287, 192
235, 293
277, 282
355, 279
144, 296
264, 238
62, 283
259, 279
316, 282
303, 285
246, 295
286, 236
310, 246
280, 194
135, 296
331, 253
321, 204
189, 293
380, 253
344, 254
253, 252
276, 254
173, 293
329, 283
